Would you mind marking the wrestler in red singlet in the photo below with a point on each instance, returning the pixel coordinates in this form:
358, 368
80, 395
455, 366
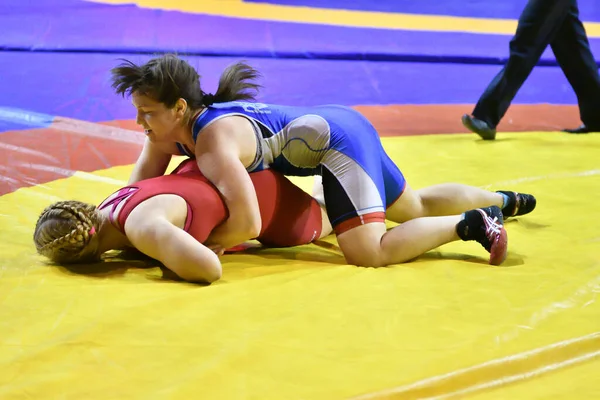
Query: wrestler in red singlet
290, 216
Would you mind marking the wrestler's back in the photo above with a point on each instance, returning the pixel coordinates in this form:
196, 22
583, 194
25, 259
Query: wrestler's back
204, 208
290, 216
293, 139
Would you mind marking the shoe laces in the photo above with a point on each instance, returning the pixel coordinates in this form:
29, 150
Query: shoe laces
492, 226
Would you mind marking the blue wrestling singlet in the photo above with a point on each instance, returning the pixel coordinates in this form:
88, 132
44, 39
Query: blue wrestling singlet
359, 179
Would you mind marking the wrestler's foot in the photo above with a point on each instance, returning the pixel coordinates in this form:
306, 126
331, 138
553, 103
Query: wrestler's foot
484, 225
479, 127
518, 204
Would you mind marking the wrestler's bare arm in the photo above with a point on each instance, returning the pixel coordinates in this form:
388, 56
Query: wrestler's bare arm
152, 161
219, 151
151, 230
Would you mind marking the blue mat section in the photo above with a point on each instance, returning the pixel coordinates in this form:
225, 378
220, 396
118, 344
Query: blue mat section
14, 119
77, 85
57, 55
505, 9
82, 27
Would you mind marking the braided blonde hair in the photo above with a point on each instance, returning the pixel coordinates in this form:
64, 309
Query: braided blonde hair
65, 232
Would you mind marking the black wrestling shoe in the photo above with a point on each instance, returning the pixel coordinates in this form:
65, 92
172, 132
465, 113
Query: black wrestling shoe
581, 130
518, 203
479, 127
484, 225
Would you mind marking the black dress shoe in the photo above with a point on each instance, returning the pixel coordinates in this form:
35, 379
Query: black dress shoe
580, 130
479, 127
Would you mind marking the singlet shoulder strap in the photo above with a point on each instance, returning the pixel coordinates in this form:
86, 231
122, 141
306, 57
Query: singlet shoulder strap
117, 198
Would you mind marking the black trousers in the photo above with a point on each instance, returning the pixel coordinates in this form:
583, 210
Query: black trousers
542, 23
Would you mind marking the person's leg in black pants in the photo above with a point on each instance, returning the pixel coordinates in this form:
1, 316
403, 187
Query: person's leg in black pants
538, 25
572, 51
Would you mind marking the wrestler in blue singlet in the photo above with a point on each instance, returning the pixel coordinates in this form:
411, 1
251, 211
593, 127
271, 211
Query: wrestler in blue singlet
359, 179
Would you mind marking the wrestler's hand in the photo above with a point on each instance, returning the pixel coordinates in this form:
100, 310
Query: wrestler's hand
226, 236
217, 249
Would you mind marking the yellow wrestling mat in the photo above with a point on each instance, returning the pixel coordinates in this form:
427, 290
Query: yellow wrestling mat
299, 324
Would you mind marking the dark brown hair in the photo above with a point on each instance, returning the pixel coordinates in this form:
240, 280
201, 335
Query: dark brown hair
168, 78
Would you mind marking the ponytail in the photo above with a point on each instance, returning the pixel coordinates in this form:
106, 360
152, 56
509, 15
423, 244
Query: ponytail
169, 78
235, 83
